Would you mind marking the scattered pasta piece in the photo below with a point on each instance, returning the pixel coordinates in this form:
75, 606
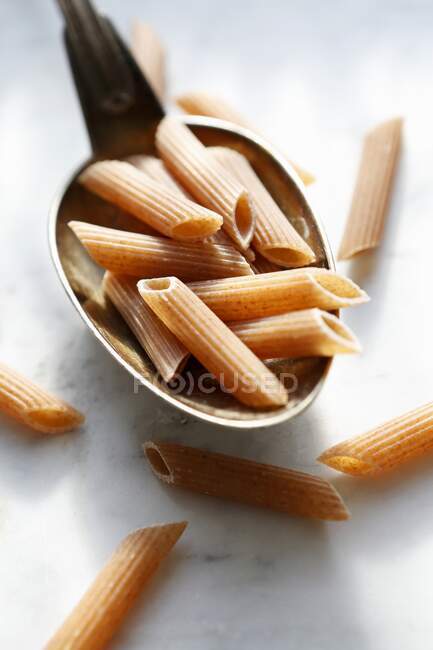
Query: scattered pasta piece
238, 370
237, 479
149, 53
268, 294
205, 179
102, 609
152, 257
24, 401
307, 333
366, 221
385, 447
203, 104
274, 236
155, 204
164, 349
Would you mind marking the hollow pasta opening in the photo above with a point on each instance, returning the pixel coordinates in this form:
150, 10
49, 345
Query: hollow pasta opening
157, 462
156, 284
339, 286
244, 217
285, 256
340, 330
194, 229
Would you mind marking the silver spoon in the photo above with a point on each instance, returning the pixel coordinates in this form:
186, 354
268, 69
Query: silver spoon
121, 114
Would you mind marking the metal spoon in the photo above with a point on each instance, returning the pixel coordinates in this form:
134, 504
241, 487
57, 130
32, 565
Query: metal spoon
121, 114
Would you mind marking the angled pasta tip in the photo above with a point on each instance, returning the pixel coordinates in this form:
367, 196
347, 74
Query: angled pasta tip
346, 463
157, 462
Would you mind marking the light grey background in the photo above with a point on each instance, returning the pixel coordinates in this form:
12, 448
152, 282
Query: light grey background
314, 76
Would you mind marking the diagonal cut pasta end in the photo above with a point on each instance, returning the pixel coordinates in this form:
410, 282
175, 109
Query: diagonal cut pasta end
337, 334
54, 419
341, 291
159, 465
346, 462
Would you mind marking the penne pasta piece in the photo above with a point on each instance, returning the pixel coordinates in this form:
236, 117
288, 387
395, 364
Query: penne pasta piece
145, 256
103, 608
366, 221
268, 294
158, 206
385, 447
274, 236
24, 401
212, 343
267, 486
164, 349
149, 53
204, 178
306, 333
202, 104
155, 168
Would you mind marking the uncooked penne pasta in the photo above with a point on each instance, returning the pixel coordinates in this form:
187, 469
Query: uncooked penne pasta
268, 294
145, 256
386, 447
164, 349
149, 53
305, 333
366, 221
204, 178
274, 236
262, 265
103, 608
238, 370
267, 486
155, 168
203, 104
24, 401
170, 214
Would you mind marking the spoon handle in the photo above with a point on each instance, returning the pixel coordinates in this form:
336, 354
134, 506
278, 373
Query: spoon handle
120, 109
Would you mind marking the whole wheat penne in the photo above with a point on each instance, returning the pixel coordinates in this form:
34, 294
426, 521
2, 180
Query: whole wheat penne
385, 447
238, 370
145, 256
198, 103
269, 294
274, 236
277, 488
149, 53
204, 178
155, 168
24, 401
366, 221
305, 333
103, 608
127, 187
262, 265
165, 350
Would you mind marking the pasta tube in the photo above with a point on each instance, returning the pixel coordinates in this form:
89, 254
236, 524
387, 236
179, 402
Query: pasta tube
204, 178
202, 104
366, 221
212, 343
170, 214
262, 265
103, 608
149, 53
155, 168
238, 479
385, 447
274, 236
164, 349
268, 294
24, 401
308, 333
148, 257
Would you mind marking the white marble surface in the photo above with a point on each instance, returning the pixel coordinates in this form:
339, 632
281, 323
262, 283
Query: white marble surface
315, 76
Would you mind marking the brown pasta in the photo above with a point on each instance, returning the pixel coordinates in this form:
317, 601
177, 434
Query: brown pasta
262, 265
385, 447
239, 371
306, 333
269, 294
366, 221
203, 104
150, 56
274, 236
155, 204
103, 608
267, 486
24, 401
155, 168
206, 180
151, 257
164, 349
